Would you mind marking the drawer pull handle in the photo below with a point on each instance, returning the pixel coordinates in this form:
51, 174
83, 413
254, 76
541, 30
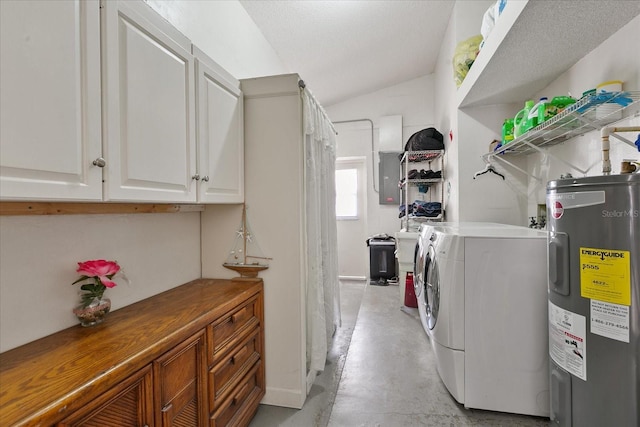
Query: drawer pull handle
237, 316
167, 408
236, 356
238, 397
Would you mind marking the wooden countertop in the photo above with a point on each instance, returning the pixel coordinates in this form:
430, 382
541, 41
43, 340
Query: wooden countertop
45, 380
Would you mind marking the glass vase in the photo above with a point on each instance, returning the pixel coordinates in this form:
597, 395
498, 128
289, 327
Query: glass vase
93, 313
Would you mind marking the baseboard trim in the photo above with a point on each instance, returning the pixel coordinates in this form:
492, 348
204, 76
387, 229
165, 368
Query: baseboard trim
355, 278
283, 397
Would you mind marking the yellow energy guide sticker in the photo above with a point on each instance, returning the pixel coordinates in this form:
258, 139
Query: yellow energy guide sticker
605, 275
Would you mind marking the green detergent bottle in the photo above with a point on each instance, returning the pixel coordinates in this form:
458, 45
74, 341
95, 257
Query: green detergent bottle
521, 120
507, 131
561, 102
537, 113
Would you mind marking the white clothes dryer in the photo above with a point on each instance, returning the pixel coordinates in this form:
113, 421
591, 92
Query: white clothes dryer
421, 262
423, 271
485, 293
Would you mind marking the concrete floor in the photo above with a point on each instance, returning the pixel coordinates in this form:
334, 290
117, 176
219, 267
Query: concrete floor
381, 372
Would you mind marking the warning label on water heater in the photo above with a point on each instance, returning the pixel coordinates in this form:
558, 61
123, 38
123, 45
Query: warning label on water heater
605, 275
567, 340
610, 320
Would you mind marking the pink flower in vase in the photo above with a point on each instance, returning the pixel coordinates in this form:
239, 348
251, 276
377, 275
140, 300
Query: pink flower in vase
99, 269
97, 275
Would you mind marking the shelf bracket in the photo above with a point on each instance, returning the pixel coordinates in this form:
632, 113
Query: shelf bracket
605, 133
615, 130
491, 157
560, 159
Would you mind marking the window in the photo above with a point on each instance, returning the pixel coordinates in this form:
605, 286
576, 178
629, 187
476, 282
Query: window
347, 193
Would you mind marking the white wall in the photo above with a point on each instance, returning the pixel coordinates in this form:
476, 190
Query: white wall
413, 100
488, 198
616, 58
224, 31
38, 254
445, 118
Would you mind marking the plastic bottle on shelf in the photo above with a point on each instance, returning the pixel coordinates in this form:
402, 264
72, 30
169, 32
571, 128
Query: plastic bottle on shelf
537, 113
545, 113
521, 119
559, 103
507, 131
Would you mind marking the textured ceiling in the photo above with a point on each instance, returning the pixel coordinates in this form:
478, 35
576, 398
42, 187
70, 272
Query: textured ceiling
346, 48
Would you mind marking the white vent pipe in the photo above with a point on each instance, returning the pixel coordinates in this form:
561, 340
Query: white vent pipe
611, 131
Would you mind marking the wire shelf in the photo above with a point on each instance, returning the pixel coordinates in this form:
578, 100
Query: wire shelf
419, 181
421, 156
591, 112
413, 223
425, 181
406, 184
419, 218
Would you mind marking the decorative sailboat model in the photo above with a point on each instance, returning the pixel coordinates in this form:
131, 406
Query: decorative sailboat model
246, 257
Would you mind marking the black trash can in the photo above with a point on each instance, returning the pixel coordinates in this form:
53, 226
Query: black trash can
382, 259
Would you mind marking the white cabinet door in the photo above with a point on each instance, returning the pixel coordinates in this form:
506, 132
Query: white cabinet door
220, 133
50, 100
149, 106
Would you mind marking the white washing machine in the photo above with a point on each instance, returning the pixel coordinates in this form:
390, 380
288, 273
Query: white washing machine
424, 255
420, 264
484, 288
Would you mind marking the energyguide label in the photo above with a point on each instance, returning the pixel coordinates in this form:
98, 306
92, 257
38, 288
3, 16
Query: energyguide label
605, 275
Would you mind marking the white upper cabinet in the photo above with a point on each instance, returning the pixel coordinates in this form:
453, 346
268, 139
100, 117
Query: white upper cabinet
99, 103
50, 100
149, 108
220, 133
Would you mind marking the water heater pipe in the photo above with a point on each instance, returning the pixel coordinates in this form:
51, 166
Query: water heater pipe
611, 131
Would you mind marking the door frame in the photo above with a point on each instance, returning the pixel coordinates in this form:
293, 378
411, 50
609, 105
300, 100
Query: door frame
360, 164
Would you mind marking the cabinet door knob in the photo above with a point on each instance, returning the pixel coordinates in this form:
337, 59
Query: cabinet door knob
196, 177
99, 162
205, 178
167, 408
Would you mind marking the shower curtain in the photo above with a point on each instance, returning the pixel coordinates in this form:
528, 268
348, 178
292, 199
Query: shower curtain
322, 287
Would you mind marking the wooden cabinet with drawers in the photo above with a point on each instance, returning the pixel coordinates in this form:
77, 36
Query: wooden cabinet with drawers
191, 356
236, 370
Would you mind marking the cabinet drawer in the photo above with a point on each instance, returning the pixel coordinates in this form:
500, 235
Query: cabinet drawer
223, 330
235, 406
232, 367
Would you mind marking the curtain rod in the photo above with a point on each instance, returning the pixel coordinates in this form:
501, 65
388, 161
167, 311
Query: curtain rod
303, 87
